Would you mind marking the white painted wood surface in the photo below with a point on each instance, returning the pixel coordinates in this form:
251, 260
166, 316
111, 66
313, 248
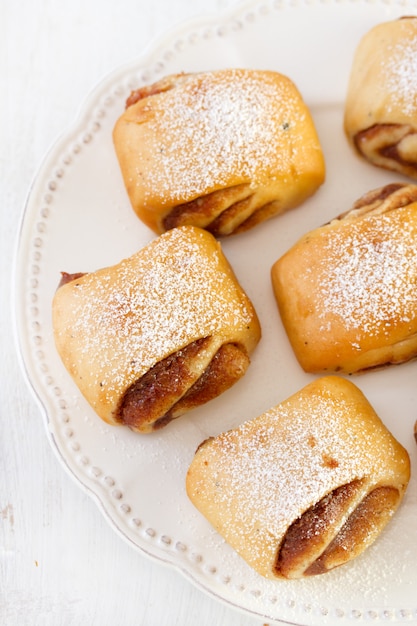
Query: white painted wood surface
60, 562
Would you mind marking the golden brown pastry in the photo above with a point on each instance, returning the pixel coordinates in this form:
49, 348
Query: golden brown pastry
306, 486
347, 291
158, 334
381, 104
222, 150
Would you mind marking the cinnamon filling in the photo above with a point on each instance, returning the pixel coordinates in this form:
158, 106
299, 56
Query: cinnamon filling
385, 140
224, 212
68, 278
369, 517
150, 397
382, 193
173, 386
226, 367
311, 532
306, 533
165, 84
209, 211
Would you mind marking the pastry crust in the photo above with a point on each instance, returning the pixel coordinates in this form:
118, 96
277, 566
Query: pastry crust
381, 104
347, 291
158, 334
306, 486
222, 150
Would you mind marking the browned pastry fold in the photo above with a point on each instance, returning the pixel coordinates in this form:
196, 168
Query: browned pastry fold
158, 334
222, 150
347, 291
381, 105
306, 486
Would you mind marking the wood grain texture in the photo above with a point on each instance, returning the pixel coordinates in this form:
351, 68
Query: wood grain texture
60, 562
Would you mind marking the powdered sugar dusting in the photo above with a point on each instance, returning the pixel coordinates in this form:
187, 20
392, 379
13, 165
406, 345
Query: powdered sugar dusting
399, 69
369, 274
270, 470
166, 296
222, 125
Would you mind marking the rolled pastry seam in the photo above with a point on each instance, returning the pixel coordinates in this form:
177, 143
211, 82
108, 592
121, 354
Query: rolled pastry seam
221, 150
346, 291
380, 117
158, 334
305, 487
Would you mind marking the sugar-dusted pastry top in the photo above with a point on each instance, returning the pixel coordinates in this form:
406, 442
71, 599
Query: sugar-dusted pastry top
380, 117
347, 291
176, 302
221, 150
304, 487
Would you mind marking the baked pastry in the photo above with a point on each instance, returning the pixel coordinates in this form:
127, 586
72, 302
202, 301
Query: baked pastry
347, 291
222, 150
158, 334
306, 486
380, 117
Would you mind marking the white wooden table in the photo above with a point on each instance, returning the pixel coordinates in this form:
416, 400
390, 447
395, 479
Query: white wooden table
60, 562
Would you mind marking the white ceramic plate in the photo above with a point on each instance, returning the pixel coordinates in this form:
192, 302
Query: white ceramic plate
78, 218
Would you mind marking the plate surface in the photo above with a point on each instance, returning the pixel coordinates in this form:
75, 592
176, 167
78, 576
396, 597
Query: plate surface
78, 218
